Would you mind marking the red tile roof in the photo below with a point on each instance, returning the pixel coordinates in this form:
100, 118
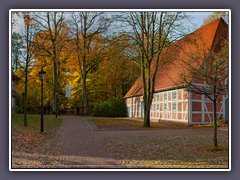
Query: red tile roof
205, 38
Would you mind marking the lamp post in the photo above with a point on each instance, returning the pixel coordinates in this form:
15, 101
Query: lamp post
42, 74
67, 94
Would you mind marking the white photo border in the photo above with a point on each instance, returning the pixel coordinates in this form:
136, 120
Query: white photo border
115, 10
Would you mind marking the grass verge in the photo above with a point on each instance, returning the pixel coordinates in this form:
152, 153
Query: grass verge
28, 138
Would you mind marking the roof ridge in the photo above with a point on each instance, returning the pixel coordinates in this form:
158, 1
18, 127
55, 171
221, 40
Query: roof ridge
220, 20
209, 33
210, 23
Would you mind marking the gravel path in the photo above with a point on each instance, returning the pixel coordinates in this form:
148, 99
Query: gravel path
79, 144
81, 147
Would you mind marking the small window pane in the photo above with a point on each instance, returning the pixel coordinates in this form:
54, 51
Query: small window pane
165, 106
174, 95
174, 106
165, 96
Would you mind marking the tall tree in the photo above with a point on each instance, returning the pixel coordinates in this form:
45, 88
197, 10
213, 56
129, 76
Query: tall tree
52, 23
26, 56
87, 26
110, 77
121, 71
151, 32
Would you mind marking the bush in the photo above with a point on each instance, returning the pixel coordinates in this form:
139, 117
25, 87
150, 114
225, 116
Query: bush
114, 107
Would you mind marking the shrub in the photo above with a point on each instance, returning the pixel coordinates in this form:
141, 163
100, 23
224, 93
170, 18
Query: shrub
114, 107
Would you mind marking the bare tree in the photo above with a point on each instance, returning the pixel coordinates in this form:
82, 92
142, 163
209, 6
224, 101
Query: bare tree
206, 73
151, 33
85, 26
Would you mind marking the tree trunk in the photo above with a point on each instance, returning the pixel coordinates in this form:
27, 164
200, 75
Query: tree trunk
215, 123
54, 81
146, 122
146, 99
146, 117
83, 69
25, 98
84, 94
26, 78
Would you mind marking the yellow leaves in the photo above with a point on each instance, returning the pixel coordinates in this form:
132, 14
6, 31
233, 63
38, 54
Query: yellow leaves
108, 67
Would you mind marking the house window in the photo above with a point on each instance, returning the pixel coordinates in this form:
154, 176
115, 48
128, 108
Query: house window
165, 96
137, 99
158, 107
174, 106
174, 95
165, 106
129, 111
174, 99
158, 97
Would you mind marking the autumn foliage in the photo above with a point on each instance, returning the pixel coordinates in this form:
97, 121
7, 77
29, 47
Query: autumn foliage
110, 72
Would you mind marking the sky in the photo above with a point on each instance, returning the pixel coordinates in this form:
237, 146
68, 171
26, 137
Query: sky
197, 18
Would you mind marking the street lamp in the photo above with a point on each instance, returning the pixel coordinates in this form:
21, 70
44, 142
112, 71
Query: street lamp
42, 75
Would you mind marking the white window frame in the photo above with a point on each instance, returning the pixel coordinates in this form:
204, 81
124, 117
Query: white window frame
164, 96
174, 101
158, 107
158, 97
165, 101
136, 105
129, 111
165, 108
172, 95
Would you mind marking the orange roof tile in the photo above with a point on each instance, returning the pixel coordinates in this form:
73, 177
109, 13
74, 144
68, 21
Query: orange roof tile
206, 37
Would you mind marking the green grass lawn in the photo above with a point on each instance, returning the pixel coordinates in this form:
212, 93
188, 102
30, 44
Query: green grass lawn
50, 122
28, 138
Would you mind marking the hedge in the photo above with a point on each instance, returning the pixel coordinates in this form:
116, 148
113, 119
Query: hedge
114, 107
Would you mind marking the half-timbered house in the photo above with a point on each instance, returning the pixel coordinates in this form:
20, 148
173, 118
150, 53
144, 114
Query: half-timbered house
171, 100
